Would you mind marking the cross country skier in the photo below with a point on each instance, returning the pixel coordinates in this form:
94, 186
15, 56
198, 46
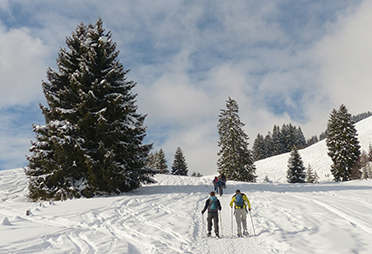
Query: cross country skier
241, 203
220, 184
215, 181
213, 205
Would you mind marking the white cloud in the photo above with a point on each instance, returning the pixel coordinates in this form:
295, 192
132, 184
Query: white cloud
22, 67
345, 57
189, 57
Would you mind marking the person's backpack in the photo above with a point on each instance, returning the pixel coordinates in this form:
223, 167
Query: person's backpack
213, 204
239, 201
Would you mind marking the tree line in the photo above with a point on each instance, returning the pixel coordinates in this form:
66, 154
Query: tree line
348, 162
158, 161
281, 140
92, 140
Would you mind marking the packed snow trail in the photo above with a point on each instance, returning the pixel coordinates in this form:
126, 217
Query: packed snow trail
166, 218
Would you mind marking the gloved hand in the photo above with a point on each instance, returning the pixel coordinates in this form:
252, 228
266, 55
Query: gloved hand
249, 209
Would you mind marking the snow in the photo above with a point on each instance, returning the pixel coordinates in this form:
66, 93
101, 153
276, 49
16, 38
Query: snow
316, 155
165, 217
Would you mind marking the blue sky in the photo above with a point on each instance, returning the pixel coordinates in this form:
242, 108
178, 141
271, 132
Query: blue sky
283, 62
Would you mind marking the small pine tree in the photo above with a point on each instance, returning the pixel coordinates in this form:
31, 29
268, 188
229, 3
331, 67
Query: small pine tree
158, 161
161, 162
311, 176
179, 166
296, 170
266, 179
370, 153
151, 160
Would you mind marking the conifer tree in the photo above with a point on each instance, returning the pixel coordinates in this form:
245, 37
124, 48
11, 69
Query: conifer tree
300, 138
311, 176
91, 143
343, 145
296, 170
151, 160
258, 149
235, 160
277, 141
269, 145
179, 166
370, 152
161, 162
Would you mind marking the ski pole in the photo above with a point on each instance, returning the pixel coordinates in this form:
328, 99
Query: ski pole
221, 224
232, 222
203, 227
254, 233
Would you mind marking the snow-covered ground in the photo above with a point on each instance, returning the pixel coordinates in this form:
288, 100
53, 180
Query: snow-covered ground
166, 217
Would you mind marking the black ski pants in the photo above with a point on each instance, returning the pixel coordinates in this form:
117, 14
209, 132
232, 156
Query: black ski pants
212, 219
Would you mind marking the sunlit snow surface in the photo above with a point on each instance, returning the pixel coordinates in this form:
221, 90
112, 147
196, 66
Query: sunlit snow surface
166, 217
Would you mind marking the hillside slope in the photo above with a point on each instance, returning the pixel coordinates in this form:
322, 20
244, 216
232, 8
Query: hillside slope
165, 218
316, 155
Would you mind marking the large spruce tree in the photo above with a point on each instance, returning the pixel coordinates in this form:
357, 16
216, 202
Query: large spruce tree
91, 143
343, 145
235, 160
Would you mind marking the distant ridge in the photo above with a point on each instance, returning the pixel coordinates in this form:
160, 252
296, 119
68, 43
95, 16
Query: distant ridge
275, 168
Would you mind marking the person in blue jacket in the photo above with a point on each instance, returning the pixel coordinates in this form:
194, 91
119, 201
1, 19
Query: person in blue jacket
213, 205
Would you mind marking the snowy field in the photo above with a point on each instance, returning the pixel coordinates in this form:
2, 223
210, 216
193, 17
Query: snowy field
166, 217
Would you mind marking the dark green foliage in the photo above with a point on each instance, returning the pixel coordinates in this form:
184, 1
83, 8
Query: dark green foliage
311, 176
259, 148
194, 174
343, 145
179, 166
314, 139
281, 140
158, 161
92, 141
235, 160
296, 170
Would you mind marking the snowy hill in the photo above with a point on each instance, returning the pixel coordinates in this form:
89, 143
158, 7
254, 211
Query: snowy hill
165, 217
316, 155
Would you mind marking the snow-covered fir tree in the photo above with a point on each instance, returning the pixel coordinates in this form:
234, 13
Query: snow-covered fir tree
235, 160
311, 176
269, 145
151, 160
158, 161
277, 141
258, 149
364, 165
281, 140
343, 145
161, 162
370, 152
296, 171
179, 166
91, 143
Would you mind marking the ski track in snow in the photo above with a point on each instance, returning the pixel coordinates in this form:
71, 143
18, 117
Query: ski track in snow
166, 218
